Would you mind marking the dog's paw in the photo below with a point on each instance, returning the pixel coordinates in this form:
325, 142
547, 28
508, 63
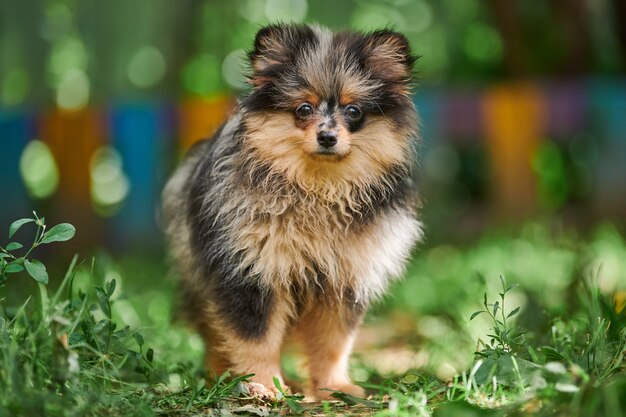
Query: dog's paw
260, 391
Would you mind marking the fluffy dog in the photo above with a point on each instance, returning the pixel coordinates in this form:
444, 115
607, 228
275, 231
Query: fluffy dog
302, 207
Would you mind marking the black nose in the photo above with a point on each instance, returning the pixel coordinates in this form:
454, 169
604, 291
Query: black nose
326, 139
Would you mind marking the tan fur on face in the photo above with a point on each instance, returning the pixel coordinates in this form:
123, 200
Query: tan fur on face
365, 155
306, 133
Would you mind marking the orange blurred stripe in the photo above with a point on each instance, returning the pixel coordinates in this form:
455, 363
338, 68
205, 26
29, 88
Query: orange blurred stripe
514, 117
200, 118
73, 137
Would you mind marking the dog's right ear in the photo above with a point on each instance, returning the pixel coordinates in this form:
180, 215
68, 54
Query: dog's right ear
275, 46
388, 55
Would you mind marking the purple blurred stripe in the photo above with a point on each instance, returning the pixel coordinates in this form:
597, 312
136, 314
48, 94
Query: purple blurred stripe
566, 108
461, 116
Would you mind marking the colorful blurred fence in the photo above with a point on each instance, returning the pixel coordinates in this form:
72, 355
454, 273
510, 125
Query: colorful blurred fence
510, 123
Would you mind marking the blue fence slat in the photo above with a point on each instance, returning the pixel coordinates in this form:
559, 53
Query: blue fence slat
616, 142
428, 102
140, 133
608, 103
16, 129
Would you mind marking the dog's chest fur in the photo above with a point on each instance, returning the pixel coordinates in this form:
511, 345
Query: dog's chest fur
285, 239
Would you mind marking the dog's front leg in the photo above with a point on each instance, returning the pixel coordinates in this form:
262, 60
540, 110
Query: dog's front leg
248, 328
327, 332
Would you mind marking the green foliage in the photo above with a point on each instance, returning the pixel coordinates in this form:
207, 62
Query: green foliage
504, 339
100, 345
410, 395
292, 401
66, 353
10, 263
585, 350
56, 354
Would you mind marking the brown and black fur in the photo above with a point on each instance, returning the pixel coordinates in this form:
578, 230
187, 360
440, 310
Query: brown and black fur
277, 233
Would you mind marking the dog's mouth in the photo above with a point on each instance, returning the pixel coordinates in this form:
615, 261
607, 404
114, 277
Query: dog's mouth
328, 154
326, 151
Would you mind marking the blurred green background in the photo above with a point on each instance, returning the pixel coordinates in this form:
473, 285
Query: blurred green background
78, 52
521, 104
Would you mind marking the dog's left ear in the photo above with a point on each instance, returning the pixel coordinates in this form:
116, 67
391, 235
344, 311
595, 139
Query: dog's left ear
388, 55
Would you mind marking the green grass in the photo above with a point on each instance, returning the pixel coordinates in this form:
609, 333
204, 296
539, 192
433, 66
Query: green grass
546, 336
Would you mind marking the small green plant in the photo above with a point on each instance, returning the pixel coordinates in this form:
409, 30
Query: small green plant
293, 401
11, 263
500, 361
411, 395
505, 339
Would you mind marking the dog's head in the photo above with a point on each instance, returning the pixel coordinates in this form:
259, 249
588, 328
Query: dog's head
325, 103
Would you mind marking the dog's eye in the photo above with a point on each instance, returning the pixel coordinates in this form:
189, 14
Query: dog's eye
354, 113
304, 110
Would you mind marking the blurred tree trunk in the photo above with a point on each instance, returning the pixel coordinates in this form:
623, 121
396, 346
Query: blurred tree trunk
507, 19
619, 10
570, 24
573, 23
23, 49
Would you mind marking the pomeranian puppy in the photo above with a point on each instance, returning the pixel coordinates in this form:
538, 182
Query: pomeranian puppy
302, 207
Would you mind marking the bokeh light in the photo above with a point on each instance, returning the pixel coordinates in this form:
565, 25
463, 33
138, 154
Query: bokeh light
73, 90
67, 66
202, 75
286, 10
482, 43
252, 10
14, 87
374, 16
57, 22
147, 67
39, 170
233, 69
431, 45
66, 55
109, 184
418, 17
